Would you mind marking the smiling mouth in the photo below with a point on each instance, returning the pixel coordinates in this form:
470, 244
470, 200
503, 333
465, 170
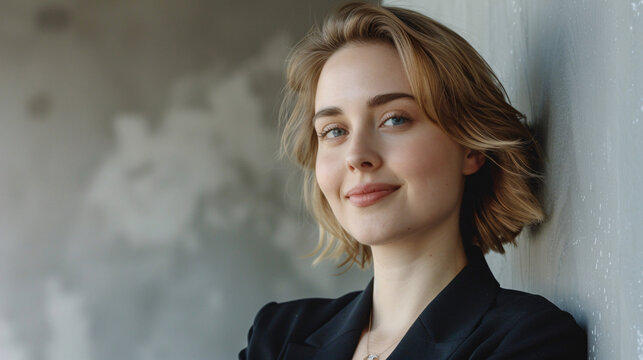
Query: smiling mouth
369, 194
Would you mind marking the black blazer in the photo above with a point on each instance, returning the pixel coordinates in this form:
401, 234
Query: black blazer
472, 318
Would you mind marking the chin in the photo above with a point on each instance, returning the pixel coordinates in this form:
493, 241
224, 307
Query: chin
371, 238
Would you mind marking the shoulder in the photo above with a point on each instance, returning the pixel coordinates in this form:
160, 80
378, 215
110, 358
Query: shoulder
278, 323
516, 304
524, 325
310, 310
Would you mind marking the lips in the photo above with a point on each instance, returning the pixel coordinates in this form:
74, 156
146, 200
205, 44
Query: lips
369, 194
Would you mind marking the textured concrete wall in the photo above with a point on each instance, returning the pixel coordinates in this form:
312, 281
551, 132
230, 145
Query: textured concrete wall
142, 212
574, 67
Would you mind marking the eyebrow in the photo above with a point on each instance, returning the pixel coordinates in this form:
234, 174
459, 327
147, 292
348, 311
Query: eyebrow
376, 100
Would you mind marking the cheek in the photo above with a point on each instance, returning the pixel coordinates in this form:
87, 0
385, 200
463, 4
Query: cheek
328, 175
432, 164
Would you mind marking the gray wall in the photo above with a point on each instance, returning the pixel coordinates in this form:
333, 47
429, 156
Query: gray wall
143, 214
574, 67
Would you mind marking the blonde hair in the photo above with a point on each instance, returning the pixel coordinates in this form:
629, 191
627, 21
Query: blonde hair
456, 89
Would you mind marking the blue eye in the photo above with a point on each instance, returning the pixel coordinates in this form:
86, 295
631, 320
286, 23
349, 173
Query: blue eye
332, 133
336, 132
395, 121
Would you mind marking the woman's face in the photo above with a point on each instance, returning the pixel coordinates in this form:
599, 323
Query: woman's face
387, 172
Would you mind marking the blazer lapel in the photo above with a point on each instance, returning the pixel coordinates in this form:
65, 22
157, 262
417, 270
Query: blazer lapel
436, 334
337, 339
453, 314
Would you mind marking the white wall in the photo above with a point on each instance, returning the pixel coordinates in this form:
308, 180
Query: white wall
574, 67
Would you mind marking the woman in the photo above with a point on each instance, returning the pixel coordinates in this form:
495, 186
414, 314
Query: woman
414, 161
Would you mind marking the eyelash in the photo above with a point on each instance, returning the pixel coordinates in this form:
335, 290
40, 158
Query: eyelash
328, 130
397, 116
388, 117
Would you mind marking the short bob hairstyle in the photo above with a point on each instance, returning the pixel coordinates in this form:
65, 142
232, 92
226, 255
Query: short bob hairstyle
456, 89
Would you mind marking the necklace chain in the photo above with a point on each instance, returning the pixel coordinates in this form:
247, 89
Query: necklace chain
369, 355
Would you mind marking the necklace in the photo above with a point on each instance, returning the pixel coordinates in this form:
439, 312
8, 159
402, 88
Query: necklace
369, 355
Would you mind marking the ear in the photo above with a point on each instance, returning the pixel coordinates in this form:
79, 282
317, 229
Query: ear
473, 161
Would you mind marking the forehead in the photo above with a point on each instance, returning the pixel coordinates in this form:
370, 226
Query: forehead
357, 72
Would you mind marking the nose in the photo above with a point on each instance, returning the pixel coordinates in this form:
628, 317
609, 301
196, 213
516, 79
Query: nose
363, 154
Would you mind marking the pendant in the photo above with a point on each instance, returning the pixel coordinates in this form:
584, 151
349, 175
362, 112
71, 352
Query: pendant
371, 357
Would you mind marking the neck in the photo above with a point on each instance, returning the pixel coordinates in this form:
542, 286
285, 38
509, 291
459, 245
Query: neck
408, 275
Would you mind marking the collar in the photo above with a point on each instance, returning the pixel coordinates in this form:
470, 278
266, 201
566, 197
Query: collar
439, 329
